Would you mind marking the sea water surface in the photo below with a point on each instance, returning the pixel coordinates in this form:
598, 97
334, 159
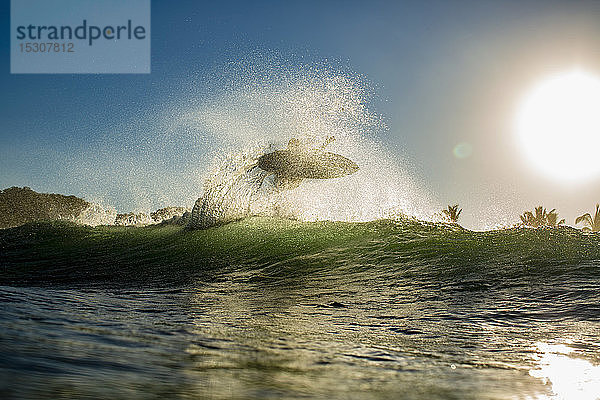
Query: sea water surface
272, 308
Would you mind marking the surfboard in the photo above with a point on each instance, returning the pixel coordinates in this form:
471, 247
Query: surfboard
307, 165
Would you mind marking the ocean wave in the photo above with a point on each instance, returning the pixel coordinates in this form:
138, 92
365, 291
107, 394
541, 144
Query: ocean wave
279, 249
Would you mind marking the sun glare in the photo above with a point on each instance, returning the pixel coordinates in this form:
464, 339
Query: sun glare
569, 377
558, 126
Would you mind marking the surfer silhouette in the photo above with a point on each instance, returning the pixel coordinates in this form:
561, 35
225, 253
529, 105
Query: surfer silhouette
298, 162
288, 167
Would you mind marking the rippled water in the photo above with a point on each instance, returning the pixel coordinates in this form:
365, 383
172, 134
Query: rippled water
381, 311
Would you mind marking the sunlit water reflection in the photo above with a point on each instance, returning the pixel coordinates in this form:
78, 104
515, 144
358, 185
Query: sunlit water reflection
569, 375
318, 337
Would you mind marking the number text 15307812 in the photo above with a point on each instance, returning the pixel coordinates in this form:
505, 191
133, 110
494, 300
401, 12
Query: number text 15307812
47, 47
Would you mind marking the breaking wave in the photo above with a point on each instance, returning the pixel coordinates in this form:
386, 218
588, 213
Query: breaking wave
259, 109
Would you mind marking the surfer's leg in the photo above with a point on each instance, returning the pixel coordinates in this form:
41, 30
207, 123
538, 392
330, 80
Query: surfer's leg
277, 182
293, 183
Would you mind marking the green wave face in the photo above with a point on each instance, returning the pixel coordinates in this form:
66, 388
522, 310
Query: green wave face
280, 249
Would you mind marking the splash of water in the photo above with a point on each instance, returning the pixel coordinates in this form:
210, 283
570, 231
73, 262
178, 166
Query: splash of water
259, 110
96, 214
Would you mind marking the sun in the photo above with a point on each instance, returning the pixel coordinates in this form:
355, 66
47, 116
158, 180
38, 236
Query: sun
558, 126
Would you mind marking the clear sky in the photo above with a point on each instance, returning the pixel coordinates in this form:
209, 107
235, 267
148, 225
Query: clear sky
444, 72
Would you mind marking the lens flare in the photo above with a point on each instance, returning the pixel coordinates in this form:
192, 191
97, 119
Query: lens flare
463, 150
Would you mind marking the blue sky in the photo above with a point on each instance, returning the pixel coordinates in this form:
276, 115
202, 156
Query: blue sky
445, 72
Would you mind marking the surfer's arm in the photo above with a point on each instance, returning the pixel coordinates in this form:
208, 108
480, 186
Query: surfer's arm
327, 142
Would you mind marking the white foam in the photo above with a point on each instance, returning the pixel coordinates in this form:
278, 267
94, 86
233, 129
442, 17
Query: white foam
97, 214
